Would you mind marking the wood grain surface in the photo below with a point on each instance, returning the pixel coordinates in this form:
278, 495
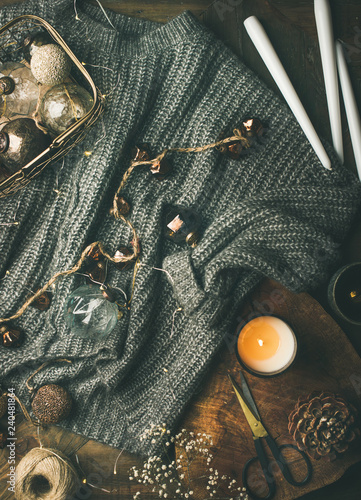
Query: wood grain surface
319, 366
326, 361
291, 27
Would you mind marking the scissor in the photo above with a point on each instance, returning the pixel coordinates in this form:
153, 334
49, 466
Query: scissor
254, 420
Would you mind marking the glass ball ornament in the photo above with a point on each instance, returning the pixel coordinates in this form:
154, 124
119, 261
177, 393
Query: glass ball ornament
7, 85
31, 43
19, 90
89, 314
20, 142
63, 105
181, 225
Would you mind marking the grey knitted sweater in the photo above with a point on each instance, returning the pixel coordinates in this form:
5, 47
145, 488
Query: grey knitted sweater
276, 213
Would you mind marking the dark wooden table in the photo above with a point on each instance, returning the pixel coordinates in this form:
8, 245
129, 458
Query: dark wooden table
291, 27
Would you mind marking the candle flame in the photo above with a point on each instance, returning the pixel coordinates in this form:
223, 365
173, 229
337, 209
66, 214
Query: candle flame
260, 342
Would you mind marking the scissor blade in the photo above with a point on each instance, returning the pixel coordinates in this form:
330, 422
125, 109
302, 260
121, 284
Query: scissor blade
255, 424
248, 395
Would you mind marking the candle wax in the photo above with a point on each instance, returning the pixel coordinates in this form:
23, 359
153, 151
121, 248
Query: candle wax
267, 345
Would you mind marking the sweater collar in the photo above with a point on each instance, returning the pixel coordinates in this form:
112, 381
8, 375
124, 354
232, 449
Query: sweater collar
130, 36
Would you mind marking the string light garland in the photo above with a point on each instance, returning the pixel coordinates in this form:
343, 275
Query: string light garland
120, 208
77, 18
109, 69
15, 222
133, 256
58, 171
237, 137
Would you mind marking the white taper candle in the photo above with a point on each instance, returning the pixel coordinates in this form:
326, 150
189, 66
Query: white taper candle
353, 117
274, 65
328, 58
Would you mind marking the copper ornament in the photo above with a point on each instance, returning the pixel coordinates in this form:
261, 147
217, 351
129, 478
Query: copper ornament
93, 256
11, 337
123, 206
97, 273
94, 265
108, 293
252, 127
160, 168
181, 225
4, 142
42, 303
95, 253
119, 256
235, 150
141, 152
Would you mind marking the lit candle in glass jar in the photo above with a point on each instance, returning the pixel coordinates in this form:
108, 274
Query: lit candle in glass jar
266, 345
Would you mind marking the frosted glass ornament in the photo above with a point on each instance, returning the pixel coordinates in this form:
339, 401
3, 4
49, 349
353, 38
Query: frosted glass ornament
50, 64
63, 105
23, 99
89, 314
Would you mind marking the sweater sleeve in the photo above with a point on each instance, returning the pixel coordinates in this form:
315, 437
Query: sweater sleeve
292, 235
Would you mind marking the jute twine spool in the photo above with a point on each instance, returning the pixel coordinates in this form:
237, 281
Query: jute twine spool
45, 474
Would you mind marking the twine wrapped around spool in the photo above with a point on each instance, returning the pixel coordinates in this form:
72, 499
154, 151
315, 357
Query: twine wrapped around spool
45, 474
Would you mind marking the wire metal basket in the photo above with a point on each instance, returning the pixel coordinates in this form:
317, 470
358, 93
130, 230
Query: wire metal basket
12, 35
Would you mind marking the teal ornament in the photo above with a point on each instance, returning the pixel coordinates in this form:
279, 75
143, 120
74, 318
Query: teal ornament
89, 314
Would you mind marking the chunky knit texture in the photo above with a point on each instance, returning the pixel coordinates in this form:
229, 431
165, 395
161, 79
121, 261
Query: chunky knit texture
277, 213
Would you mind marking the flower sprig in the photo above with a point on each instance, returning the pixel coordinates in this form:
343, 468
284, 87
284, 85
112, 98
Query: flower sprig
172, 477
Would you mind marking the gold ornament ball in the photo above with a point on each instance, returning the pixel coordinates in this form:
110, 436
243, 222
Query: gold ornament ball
50, 65
51, 404
64, 105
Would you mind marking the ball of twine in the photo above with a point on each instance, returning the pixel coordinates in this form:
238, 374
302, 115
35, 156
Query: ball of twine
45, 474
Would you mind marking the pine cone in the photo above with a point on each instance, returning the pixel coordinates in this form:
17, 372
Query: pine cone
323, 424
